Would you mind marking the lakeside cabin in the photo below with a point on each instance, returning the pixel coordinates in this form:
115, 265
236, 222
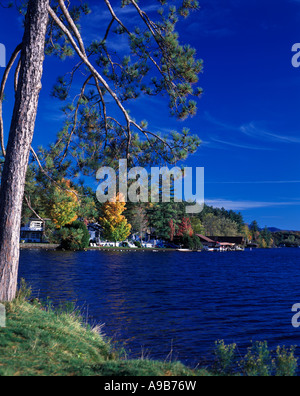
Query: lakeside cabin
206, 242
238, 240
33, 231
222, 243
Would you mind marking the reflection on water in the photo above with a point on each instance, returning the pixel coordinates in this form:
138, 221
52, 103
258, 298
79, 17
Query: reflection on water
180, 301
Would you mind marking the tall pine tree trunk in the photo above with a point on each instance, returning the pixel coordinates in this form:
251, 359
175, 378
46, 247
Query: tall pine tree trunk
19, 142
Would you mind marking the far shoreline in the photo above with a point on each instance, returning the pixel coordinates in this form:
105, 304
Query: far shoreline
56, 247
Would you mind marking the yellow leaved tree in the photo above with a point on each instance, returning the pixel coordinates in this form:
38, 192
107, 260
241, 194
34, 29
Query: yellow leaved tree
114, 223
64, 204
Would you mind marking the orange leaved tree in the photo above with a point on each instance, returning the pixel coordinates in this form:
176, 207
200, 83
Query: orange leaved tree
64, 204
185, 228
114, 223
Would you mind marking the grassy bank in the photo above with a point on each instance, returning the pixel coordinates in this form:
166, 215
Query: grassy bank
41, 342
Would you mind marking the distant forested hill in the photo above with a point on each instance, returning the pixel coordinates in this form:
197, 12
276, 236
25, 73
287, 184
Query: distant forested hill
287, 238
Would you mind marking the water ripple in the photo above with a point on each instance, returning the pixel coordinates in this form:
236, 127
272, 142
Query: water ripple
170, 301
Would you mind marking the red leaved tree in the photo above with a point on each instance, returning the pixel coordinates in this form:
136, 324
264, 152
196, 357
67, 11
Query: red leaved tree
185, 228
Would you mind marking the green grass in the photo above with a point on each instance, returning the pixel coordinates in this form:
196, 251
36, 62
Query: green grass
41, 342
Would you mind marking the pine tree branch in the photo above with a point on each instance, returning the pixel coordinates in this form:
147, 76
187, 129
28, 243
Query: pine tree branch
72, 25
95, 73
108, 29
17, 75
100, 80
113, 14
103, 106
28, 202
86, 61
48, 176
75, 118
2, 88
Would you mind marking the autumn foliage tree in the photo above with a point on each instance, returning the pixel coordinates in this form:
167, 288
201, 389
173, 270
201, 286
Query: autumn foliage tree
185, 228
186, 236
64, 206
114, 223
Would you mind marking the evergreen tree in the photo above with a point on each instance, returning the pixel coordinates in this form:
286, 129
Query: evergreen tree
19, 141
137, 217
74, 236
255, 230
161, 214
156, 63
172, 230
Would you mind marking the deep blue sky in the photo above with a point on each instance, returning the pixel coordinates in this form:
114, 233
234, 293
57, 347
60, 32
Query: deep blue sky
248, 117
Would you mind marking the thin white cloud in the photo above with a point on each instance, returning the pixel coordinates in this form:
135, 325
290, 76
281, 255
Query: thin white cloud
219, 123
257, 182
240, 145
253, 131
244, 205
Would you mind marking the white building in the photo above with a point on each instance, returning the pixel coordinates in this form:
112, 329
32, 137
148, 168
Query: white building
33, 231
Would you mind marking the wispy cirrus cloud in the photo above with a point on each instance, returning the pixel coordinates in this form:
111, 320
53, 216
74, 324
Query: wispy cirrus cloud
255, 132
246, 205
252, 130
239, 144
233, 135
257, 182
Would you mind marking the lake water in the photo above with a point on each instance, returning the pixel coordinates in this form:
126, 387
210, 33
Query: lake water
155, 303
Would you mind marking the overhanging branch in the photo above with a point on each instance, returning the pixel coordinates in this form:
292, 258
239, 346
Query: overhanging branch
2, 88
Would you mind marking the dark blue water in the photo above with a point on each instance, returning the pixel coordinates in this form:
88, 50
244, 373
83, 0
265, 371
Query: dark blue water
155, 303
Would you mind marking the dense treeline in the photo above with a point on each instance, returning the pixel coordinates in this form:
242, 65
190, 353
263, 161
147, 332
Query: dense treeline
287, 238
262, 238
64, 202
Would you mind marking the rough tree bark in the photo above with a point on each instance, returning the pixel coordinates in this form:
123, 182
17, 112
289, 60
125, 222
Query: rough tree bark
19, 143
